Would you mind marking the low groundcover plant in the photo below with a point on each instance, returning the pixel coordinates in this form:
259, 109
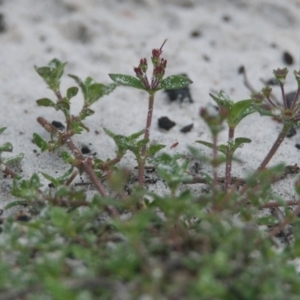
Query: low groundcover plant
209, 244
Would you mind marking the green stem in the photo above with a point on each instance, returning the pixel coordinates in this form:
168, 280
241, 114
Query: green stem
229, 160
141, 164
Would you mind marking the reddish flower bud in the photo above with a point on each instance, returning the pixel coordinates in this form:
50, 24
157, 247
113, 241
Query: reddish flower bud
138, 72
143, 65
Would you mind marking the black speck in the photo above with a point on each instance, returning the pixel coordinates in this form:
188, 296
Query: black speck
272, 81
181, 94
226, 18
58, 125
187, 128
85, 150
2, 23
297, 146
206, 57
34, 151
51, 185
291, 132
196, 33
287, 58
241, 70
23, 218
165, 123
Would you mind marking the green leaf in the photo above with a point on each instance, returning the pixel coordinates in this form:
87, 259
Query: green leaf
239, 111
15, 203
52, 73
221, 148
67, 157
223, 100
136, 135
175, 82
72, 92
2, 129
7, 147
14, 159
109, 133
127, 80
239, 142
262, 111
50, 178
40, 142
172, 170
95, 91
86, 113
35, 182
45, 102
154, 149
80, 83
64, 106
92, 90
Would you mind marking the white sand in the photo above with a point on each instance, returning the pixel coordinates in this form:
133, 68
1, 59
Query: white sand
101, 37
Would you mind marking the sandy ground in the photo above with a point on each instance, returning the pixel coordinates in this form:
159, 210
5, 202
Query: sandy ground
208, 40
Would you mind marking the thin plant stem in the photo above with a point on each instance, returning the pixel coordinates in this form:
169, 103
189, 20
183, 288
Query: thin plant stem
228, 161
285, 129
86, 164
141, 163
283, 95
215, 158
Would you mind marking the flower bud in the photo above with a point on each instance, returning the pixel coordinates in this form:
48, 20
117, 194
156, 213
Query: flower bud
280, 74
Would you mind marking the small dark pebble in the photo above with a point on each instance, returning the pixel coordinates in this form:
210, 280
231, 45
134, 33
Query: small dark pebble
23, 217
58, 125
196, 33
206, 57
2, 23
226, 18
165, 123
291, 132
34, 151
180, 94
241, 70
287, 58
297, 146
187, 128
51, 185
85, 150
272, 81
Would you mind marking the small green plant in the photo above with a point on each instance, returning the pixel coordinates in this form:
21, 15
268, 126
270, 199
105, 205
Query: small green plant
91, 91
156, 83
5, 162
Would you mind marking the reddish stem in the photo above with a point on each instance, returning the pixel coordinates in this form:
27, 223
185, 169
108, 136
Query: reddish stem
286, 127
141, 163
228, 161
